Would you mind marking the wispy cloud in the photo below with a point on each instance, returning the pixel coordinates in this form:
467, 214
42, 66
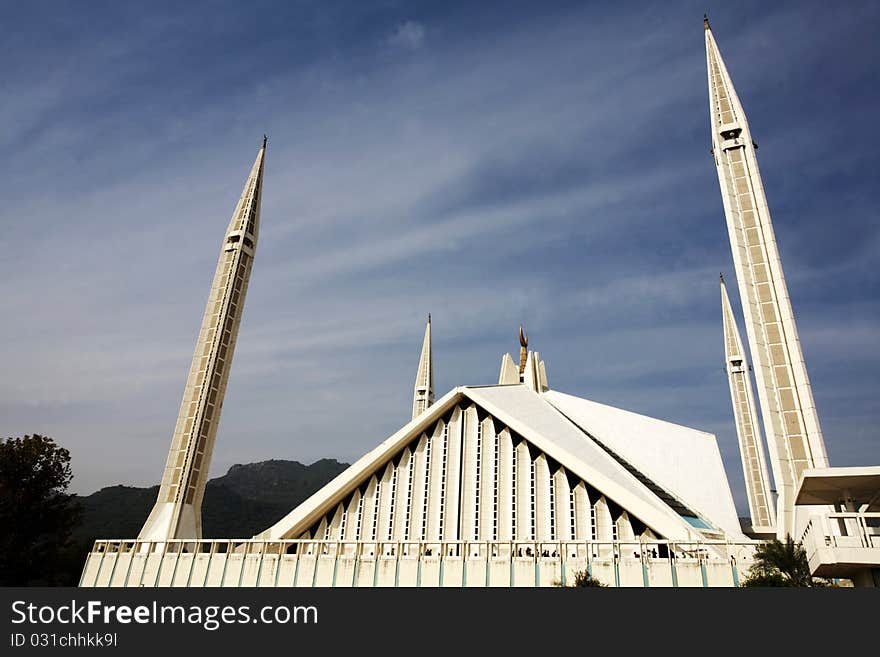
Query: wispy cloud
547, 166
409, 34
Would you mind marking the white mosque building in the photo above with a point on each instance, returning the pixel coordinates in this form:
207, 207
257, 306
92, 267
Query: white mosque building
517, 484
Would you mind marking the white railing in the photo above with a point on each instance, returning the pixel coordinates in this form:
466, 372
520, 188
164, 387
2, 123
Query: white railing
842, 530
240, 562
637, 550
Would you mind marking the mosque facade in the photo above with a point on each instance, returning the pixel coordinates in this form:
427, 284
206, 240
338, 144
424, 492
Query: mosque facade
518, 484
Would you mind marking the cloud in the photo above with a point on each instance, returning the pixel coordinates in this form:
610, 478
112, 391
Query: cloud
410, 34
546, 168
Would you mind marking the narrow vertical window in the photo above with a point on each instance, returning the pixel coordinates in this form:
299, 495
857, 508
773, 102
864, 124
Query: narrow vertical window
532, 500
409, 496
513, 513
359, 512
375, 525
477, 482
443, 478
495, 489
391, 502
427, 489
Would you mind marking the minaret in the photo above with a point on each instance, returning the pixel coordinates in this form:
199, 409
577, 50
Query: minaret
178, 510
423, 396
790, 421
747, 429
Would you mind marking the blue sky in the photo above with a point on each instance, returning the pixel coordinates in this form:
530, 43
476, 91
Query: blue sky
535, 163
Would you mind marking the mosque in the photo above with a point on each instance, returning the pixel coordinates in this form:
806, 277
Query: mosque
518, 484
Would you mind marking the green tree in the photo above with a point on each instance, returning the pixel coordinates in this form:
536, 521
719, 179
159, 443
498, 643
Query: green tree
36, 512
781, 564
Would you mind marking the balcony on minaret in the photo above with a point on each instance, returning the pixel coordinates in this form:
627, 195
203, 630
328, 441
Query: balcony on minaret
238, 238
731, 136
736, 364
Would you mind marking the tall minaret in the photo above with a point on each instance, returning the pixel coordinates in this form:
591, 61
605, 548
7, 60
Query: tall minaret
790, 421
747, 429
423, 395
178, 510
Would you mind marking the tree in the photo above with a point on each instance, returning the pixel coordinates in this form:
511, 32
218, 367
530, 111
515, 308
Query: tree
582, 579
36, 512
780, 564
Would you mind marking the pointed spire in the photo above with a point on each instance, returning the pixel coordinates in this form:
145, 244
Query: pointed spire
734, 345
244, 227
791, 423
535, 375
523, 350
542, 376
423, 394
509, 371
748, 431
725, 109
530, 373
706, 25
178, 509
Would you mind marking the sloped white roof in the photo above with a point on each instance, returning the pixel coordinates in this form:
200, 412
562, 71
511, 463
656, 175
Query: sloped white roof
684, 461
532, 416
336, 489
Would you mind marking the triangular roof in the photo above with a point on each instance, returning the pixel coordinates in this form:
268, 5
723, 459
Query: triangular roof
535, 419
671, 454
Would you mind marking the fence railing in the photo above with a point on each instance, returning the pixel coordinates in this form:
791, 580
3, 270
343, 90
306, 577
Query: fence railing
449, 548
842, 529
237, 562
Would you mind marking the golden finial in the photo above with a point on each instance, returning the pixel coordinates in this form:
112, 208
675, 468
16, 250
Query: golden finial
523, 349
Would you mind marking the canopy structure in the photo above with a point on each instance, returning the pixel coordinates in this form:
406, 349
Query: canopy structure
831, 485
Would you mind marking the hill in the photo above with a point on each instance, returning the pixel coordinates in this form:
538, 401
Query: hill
246, 500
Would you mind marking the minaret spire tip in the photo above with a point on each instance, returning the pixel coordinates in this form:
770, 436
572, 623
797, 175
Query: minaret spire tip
706, 25
423, 393
265, 139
